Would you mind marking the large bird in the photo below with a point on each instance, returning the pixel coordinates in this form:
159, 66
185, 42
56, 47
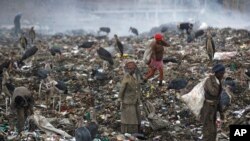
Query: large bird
164, 29
62, 86
32, 34
29, 52
86, 44
185, 26
104, 29
119, 45
210, 47
134, 31
23, 42
105, 55
98, 75
55, 50
177, 84
199, 33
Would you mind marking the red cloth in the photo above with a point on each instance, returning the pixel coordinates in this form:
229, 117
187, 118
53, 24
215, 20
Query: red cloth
156, 64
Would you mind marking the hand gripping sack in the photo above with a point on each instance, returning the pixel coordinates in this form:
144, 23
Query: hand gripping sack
148, 52
195, 98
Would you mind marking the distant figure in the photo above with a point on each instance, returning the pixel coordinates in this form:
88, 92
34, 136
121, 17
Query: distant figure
185, 26
17, 24
134, 30
104, 29
119, 45
210, 47
21, 106
32, 34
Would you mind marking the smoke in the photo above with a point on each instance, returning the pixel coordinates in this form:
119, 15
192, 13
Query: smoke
51, 16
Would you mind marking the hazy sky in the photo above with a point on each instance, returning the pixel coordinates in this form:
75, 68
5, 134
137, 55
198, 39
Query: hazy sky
61, 15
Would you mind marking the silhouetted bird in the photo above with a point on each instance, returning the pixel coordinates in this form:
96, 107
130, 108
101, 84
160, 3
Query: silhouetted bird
210, 47
134, 30
230, 82
5, 65
101, 37
105, 55
119, 45
23, 42
185, 26
104, 29
82, 134
55, 50
17, 24
177, 84
42, 73
225, 100
32, 34
97, 75
11, 87
164, 29
29, 52
248, 72
93, 129
62, 86
199, 33
86, 44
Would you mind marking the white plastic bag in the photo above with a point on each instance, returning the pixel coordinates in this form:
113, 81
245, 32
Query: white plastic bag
224, 55
195, 98
148, 52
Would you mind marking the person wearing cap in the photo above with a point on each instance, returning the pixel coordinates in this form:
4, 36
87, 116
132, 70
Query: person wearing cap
213, 89
156, 61
129, 97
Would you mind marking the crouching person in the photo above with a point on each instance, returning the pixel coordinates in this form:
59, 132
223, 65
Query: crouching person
21, 106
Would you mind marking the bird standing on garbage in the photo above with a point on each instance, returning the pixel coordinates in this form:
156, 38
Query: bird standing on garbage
105, 55
119, 45
104, 29
210, 47
23, 42
213, 89
185, 26
32, 34
134, 31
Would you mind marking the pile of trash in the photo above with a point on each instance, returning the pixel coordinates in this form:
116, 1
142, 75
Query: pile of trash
93, 85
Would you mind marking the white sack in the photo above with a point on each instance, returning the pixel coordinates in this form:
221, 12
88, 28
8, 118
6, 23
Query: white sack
195, 98
148, 52
224, 55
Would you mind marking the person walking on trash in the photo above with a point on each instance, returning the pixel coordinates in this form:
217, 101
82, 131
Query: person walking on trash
129, 98
213, 89
156, 58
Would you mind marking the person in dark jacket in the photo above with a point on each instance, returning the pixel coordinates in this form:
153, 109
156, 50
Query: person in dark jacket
213, 89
